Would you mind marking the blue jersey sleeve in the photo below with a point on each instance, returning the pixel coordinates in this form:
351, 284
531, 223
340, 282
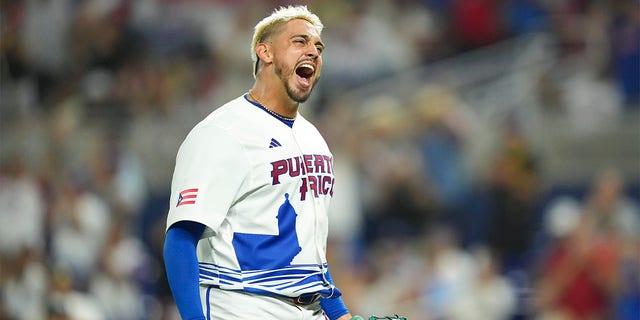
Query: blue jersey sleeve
181, 265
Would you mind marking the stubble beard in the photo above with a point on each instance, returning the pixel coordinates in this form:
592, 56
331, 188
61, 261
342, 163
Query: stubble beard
295, 96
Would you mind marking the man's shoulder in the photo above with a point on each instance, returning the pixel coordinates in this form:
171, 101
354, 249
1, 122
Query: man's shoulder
227, 115
232, 108
233, 118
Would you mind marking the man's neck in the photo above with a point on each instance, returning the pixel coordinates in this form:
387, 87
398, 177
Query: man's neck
274, 98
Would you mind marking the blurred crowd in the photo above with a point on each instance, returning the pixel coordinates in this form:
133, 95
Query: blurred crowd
96, 96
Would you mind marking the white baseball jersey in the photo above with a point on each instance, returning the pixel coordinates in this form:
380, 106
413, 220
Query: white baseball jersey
262, 188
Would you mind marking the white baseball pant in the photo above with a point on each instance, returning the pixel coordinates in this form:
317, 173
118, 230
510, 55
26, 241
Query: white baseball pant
220, 304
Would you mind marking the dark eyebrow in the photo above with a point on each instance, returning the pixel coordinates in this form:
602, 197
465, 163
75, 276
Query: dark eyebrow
308, 38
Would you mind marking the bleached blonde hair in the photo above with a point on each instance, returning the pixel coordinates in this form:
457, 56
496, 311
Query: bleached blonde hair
270, 25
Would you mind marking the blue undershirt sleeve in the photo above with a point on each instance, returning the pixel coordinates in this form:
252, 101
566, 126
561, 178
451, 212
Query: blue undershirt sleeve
181, 265
334, 308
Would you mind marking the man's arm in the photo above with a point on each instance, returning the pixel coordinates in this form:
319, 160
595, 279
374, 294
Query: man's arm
334, 307
181, 265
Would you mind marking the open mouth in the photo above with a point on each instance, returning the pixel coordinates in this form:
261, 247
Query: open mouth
304, 72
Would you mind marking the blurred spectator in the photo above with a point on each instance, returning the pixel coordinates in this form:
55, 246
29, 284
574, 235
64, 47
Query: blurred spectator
449, 275
357, 54
476, 23
116, 283
441, 132
561, 218
627, 299
616, 220
566, 25
591, 101
99, 38
394, 275
578, 276
490, 296
22, 241
513, 197
47, 54
80, 223
613, 214
625, 49
424, 31
526, 16
24, 288
117, 176
395, 198
68, 303
22, 210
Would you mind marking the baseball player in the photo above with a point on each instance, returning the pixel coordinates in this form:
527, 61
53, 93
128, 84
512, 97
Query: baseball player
247, 225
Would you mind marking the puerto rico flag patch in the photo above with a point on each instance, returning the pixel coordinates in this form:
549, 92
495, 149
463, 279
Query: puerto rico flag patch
187, 196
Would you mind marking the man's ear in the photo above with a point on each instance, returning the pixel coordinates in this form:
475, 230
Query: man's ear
264, 53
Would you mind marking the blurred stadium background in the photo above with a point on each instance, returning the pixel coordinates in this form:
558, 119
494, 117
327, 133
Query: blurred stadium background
487, 152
